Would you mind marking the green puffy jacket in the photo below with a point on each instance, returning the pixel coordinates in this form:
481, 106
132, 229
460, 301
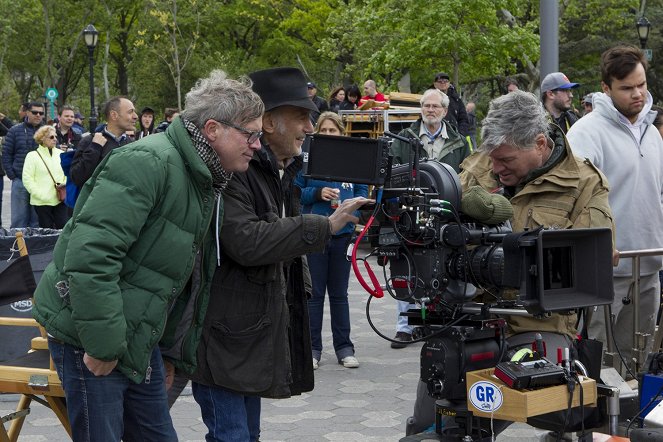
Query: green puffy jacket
137, 248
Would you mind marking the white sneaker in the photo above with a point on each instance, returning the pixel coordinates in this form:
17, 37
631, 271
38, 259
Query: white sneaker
315, 364
349, 362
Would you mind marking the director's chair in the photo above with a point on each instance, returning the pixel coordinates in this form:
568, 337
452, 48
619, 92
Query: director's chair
31, 375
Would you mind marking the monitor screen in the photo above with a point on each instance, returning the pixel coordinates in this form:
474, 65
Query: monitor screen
344, 159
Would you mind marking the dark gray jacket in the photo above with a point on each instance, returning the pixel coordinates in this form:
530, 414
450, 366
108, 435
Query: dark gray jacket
246, 345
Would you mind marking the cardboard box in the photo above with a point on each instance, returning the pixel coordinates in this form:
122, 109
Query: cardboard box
488, 396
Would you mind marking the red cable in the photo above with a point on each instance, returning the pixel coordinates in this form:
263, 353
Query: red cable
377, 290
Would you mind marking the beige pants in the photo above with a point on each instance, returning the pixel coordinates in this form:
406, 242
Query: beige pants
650, 289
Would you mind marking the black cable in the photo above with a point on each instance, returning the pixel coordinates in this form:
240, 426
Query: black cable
422, 339
621, 357
637, 415
582, 409
571, 387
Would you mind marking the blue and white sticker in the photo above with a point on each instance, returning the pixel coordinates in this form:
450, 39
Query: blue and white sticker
486, 396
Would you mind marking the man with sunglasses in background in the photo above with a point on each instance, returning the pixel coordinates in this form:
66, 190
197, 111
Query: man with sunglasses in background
456, 113
18, 142
557, 98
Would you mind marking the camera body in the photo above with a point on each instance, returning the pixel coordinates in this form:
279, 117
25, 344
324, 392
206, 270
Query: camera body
438, 258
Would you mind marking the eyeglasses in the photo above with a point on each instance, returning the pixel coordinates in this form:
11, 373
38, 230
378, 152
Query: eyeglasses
253, 136
33, 112
442, 80
432, 106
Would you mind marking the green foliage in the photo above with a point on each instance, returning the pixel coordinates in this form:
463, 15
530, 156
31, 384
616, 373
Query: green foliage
153, 51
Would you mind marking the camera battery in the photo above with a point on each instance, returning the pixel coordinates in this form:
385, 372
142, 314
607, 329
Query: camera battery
529, 374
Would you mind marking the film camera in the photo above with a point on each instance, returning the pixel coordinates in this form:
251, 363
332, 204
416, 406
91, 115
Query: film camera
438, 258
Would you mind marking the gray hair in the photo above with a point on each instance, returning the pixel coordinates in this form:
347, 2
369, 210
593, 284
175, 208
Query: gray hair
444, 100
220, 98
515, 119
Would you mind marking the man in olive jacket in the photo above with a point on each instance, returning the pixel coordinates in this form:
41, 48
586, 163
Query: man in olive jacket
245, 351
132, 268
530, 161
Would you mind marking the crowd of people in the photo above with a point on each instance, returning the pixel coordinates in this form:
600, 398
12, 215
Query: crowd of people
71, 155
203, 254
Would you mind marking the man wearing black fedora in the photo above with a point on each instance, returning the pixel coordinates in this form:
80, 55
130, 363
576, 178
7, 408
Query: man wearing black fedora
256, 341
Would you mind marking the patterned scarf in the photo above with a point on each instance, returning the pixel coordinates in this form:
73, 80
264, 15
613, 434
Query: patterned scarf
220, 177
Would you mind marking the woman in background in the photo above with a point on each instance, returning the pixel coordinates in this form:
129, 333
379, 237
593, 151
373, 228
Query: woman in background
330, 270
41, 172
352, 96
336, 97
145, 123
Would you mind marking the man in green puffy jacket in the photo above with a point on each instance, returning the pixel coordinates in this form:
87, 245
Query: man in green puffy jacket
131, 271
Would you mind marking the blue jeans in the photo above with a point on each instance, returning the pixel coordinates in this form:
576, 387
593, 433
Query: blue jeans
401, 321
229, 417
110, 408
330, 272
23, 214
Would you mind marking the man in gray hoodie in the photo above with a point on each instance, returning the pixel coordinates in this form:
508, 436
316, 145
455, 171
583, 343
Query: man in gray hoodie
619, 138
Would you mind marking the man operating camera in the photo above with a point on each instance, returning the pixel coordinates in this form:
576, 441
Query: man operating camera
529, 161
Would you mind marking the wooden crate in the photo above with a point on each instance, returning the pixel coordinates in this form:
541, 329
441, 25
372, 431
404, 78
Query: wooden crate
518, 405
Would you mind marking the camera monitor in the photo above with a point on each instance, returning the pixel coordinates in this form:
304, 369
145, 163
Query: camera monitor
345, 159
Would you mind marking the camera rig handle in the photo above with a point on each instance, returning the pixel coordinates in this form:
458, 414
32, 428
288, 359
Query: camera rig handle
415, 144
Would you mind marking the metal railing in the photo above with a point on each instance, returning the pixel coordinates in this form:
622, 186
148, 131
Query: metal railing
640, 339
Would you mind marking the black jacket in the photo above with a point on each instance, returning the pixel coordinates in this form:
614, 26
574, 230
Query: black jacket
71, 138
248, 343
457, 115
5, 125
566, 120
89, 155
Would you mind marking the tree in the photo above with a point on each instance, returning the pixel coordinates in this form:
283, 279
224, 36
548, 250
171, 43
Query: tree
466, 38
175, 37
122, 17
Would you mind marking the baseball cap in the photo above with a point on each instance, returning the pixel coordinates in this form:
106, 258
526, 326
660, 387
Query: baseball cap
79, 116
442, 75
557, 80
147, 109
311, 85
588, 98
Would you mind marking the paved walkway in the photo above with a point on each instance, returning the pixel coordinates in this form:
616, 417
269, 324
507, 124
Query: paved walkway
369, 403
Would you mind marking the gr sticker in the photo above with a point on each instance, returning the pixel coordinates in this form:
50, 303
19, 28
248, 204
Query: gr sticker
485, 396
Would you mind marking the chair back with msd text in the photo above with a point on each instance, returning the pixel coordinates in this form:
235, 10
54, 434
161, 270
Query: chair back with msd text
29, 373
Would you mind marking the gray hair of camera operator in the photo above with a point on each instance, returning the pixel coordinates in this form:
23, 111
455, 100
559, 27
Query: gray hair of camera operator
444, 99
514, 119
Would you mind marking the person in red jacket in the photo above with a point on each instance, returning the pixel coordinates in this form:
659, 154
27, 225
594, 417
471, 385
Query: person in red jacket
371, 93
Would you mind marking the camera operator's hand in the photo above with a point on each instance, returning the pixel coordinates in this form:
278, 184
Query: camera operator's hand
329, 193
345, 213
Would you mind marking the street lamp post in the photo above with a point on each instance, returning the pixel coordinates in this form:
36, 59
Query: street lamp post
643, 26
91, 37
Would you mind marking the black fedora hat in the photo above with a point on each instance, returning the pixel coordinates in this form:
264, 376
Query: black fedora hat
282, 87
